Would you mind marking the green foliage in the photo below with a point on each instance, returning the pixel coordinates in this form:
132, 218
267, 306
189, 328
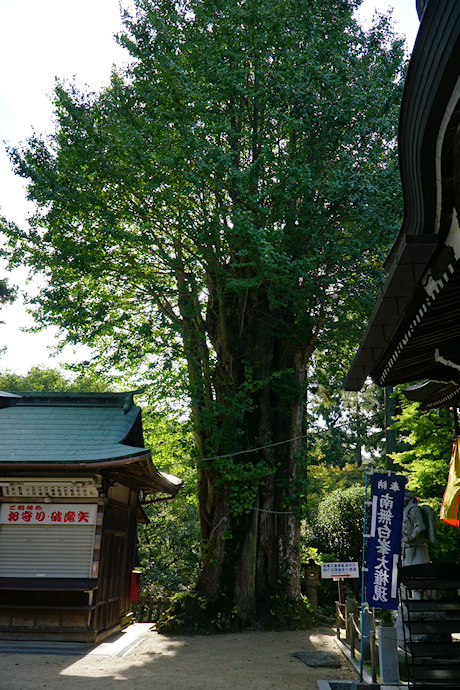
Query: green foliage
323, 478
190, 613
7, 294
446, 549
425, 459
337, 528
44, 379
428, 437
290, 615
344, 426
169, 546
236, 152
244, 480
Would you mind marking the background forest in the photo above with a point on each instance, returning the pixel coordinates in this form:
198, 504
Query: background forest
212, 224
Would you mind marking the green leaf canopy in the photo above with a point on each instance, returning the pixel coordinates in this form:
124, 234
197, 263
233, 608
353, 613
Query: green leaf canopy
248, 148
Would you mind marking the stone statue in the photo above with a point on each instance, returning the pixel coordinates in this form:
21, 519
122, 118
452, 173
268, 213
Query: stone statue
418, 529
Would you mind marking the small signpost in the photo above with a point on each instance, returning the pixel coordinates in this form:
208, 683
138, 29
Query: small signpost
337, 571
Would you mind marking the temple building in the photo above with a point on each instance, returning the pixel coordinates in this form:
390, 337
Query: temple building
413, 336
74, 474
414, 331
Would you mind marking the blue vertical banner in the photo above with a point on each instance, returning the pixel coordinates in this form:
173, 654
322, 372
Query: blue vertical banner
384, 544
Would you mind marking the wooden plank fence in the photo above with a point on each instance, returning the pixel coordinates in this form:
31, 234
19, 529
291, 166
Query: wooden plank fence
148, 609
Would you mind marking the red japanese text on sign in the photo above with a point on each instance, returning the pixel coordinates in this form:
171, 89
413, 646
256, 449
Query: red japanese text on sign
76, 514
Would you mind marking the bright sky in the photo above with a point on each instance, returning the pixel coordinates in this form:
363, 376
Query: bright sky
42, 39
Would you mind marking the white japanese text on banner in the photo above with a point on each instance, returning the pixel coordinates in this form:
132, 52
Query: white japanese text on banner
384, 545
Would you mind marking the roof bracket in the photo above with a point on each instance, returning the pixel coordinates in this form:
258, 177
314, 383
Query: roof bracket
447, 362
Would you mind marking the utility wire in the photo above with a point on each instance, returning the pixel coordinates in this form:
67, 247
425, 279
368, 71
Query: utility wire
251, 450
318, 432
311, 432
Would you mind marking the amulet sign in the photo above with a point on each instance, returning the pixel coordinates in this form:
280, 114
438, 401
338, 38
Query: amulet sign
48, 514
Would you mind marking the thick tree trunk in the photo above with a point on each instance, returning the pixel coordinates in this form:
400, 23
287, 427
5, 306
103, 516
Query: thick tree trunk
251, 556
279, 535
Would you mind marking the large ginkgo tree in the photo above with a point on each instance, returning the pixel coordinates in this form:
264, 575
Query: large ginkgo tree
225, 202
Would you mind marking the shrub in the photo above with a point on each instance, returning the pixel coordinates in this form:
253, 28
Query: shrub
337, 528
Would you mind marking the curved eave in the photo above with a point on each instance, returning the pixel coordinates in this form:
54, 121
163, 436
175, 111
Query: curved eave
427, 121
395, 298
139, 470
8, 399
431, 81
433, 394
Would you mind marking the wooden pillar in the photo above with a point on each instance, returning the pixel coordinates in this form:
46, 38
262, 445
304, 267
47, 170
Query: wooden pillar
390, 434
456, 425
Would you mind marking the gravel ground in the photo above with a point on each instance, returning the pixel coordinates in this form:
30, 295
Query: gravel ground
246, 661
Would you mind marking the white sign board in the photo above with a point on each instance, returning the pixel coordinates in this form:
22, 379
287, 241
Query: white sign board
48, 513
339, 570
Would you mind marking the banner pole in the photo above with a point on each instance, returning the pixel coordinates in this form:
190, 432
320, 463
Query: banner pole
363, 561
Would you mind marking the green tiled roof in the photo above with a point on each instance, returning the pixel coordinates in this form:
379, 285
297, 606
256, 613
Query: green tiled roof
70, 428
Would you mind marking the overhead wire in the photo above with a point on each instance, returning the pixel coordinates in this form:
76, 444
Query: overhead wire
315, 432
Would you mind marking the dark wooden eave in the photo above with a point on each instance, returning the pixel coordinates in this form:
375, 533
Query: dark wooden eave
8, 399
433, 394
418, 313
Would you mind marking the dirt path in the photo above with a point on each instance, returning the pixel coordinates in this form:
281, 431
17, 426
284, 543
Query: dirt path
246, 661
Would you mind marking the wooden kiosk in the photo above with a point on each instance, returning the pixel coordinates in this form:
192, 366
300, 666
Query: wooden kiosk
73, 474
